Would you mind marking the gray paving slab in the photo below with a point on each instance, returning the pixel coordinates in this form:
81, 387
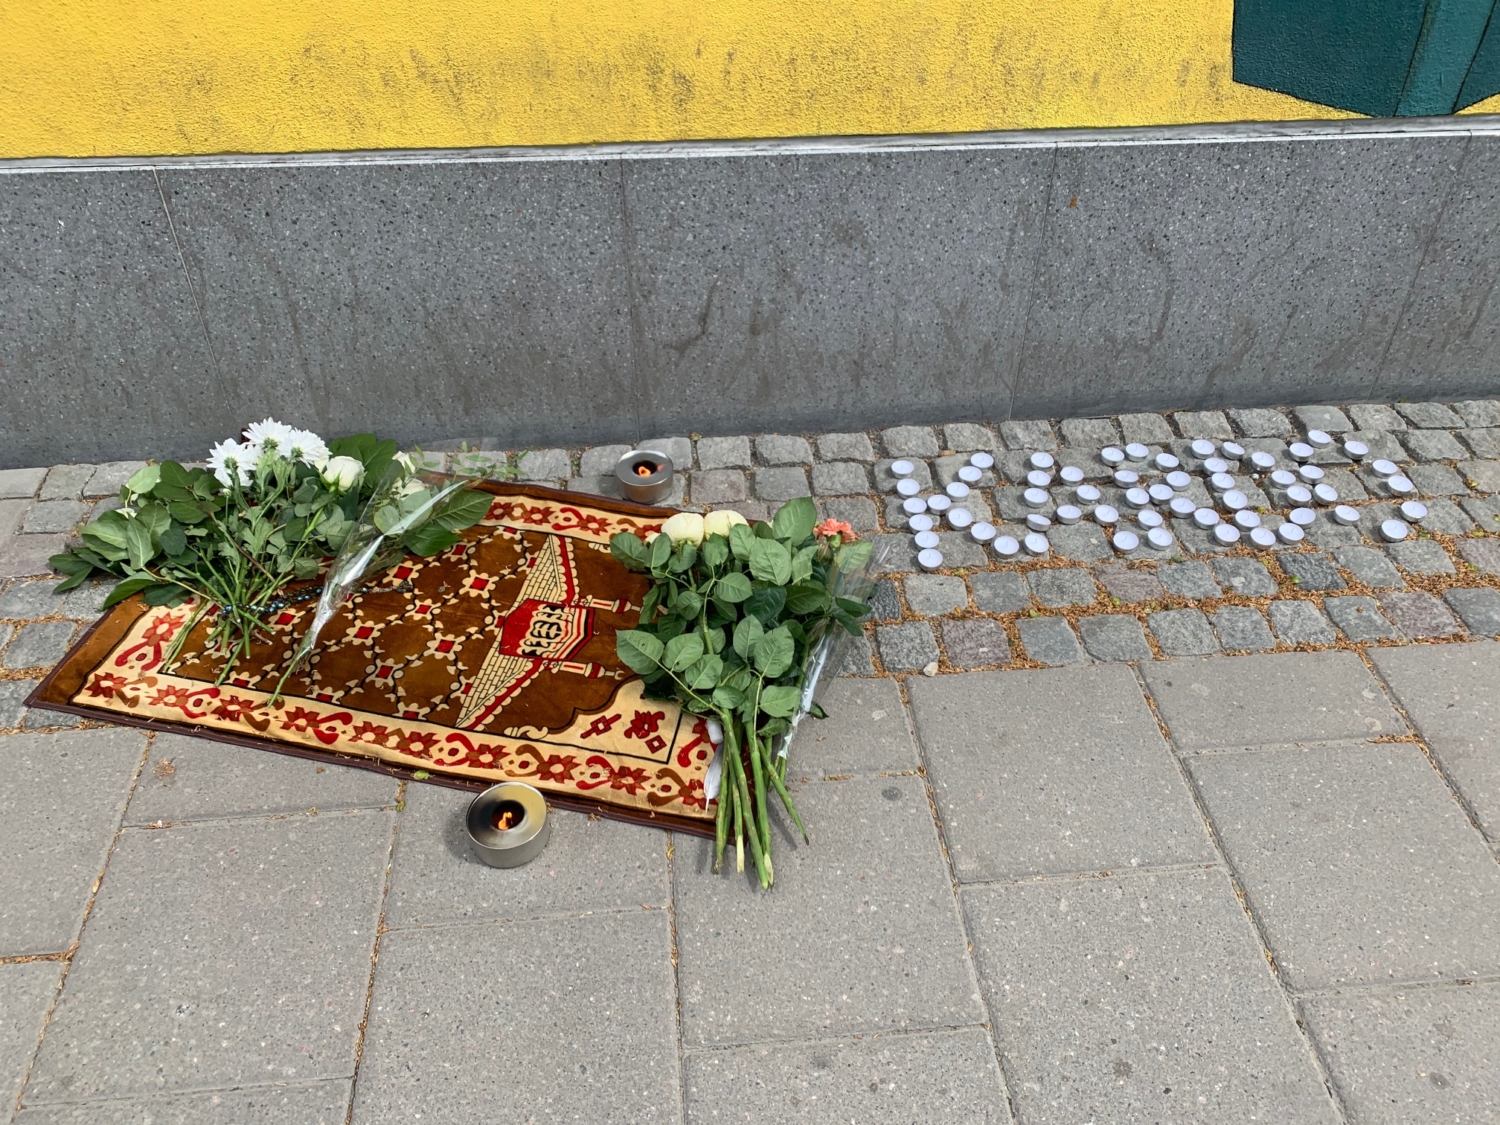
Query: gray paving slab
1478, 607
854, 656
1369, 566
1482, 554
1269, 699
523, 1022
197, 779
590, 864
934, 594
906, 648
1418, 614
867, 930
1421, 556
975, 642
1000, 591
222, 954
315, 1103
1246, 577
1360, 618
1080, 542
13, 710
1242, 628
1143, 998
1188, 580
866, 732
1417, 1056
1053, 771
968, 437
40, 645
22, 600
1312, 571
1358, 864
1183, 632
936, 1076
1300, 622
1113, 637
1063, 586
29, 989
1050, 640
1449, 693
1129, 585
1429, 415
59, 807
1145, 428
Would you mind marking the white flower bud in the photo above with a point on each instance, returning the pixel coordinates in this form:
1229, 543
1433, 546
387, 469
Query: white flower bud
343, 473
684, 527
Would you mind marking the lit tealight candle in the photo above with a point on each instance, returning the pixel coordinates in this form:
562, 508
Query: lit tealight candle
1216, 465
1038, 522
1233, 449
914, 505
1136, 451
1036, 543
1106, 515
958, 490
982, 461
930, 559
1148, 518
1262, 461
1400, 485
970, 474
1235, 500
1384, 468
1300, 451
1346, 515
1087, 493
1112, 456
1262, 537
1126, 541
920, 522
1393, 531
1414, 510
1007, 546
925, 540
960, 518
1226, 534
1036, 497
1038, 479
1319, 439
939, 503
982, 532
1310, 473
1183, 507
902, 468
1179, 479
1071, 474
1166, 462
1205, 518
1160, 538
1137, 497
1355, 450
908, 487
1302, 517
1160, 493
1290, 533
1245, 519
1221, 482
1326, 494
1069, 513
1125, 478
1203, 448
1299, 494
1041, 460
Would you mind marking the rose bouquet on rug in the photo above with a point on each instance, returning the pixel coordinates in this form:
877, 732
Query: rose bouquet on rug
269, 510
738, 619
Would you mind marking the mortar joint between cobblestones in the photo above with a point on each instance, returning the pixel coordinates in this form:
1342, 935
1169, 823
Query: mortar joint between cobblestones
671, 850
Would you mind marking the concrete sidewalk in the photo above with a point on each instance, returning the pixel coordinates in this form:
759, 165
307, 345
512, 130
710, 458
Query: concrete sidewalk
1232, 889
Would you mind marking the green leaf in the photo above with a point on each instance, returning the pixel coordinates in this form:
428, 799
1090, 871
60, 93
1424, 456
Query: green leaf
74, 566
802, 564
639, 651
429, 539
805, 599
853, 606
705, 672
683, 651
649, 604
138, 545
628, 551
774, 652
741, 539
173, 541
795, 520
154, 517
164, 593
713, 639
780, 700
144, 480
770, 562
746, 633
659, 550
853, 557
108, 529
733, 587
173, 475
727, 697
689, 603
767, 604
124, 589
464, 509
185, 512
683, 558
715, 551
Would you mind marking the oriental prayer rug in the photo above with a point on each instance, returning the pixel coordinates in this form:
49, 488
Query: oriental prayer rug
493, 661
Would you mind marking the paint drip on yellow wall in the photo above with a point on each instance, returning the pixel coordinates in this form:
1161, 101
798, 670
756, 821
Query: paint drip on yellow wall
153, 77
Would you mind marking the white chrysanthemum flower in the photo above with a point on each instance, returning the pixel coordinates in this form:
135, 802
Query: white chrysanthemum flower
269, 436
230, 460
307, 447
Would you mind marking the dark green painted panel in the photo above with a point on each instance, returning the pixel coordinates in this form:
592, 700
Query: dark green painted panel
1484, 76
1450, 37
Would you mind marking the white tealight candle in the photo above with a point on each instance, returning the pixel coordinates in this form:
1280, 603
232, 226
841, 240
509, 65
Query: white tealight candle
982, 461
1137, 497
1326, 494
1233, 449
1112, 456
1318, 439
914, 505
1087, 493
1302, 517
1235, 500
1245, 519
1136, 451
1393, 531
1226, 534
1071, 474
920, 522
908, 487
1106, 515
1166, 462
1127, 477
1300, 451
1007, 546
1221, 482
1346, 515
970, 474
1179, 479
982, 532
1040, 460
1355, 450
958, 490
1069, 513
939, 503
1384, 468
1203, 448
1126, 541
1262, 537
902, 468
930, 559
926, 539
1299, 494
1262, 461
1205, 518
1036, 543
1400, 485
1216, 465
1310, 473
1183, 507
1037, 478
1160, 538
1036, 497
1290, 533
1038, 522
1414, 510
1283, 479
960, 518
1148, 518
1160, 493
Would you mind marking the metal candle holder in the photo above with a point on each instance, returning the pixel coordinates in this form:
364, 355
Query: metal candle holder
647, 487
508, 824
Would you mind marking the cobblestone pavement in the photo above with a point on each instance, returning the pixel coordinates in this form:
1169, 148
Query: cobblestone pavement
1213, 888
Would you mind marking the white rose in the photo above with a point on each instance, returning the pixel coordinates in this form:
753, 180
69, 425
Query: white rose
684, 527
719, 523
343, 473
405, 461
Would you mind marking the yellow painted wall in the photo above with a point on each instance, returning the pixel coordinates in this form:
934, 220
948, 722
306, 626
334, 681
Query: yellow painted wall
151, 77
